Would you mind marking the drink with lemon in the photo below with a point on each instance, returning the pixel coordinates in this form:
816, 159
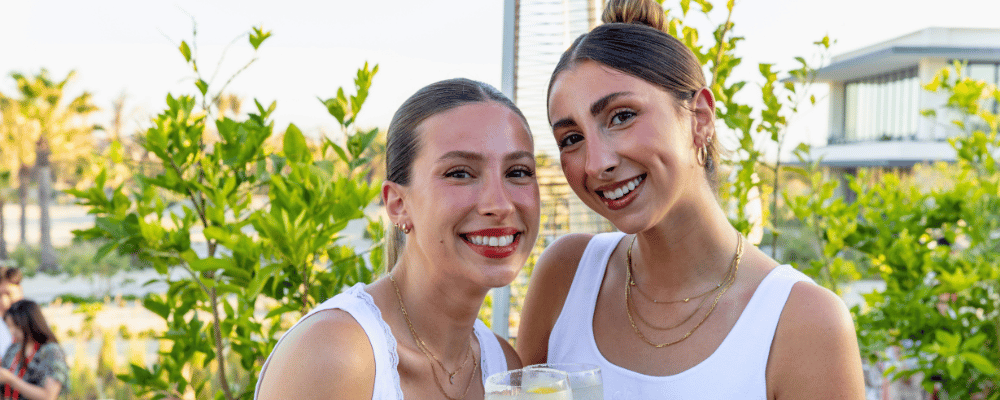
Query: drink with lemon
584, 379
529, 384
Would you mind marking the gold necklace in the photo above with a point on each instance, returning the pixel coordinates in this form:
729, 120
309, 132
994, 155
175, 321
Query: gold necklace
631, 282
735, 266
631, 300
427, 353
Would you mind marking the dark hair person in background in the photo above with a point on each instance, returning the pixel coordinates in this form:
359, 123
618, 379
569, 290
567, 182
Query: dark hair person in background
461, 187
34, 367
677, 305
10, 287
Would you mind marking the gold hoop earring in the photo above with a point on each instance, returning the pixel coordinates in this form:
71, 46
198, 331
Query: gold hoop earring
406, 229
702, 155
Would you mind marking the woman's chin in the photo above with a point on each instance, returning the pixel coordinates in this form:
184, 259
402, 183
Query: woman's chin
501, 275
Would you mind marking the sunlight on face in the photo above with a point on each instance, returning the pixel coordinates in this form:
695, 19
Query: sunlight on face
626, 149
474, 197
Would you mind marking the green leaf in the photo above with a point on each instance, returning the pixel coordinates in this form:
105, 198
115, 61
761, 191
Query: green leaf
981, 363
202, 86
156, 307
974, 342
186, 51
210, 264
258, 36
955, 367
295, 147
340, 152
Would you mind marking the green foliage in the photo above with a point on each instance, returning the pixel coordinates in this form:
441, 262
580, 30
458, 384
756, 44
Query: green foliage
830, 219
225, 251
41, 109
937, 250
754, 130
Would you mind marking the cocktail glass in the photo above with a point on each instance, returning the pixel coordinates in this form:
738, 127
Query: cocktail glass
529, 384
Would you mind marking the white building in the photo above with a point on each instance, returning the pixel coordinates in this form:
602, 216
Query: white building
544, 29
876, 95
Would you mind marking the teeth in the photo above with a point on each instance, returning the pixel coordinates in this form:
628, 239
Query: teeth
622, 191
492, 241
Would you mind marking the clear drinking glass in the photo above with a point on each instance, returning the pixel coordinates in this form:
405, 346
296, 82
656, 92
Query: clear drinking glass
584, 379
529, 384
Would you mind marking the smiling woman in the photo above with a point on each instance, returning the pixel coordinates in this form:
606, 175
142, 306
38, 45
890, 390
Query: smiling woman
676, 305
461, 189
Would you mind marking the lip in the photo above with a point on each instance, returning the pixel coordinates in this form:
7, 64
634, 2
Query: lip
624, 201
493, 251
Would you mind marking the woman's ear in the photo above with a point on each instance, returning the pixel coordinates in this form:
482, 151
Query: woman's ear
393, 198
703, 123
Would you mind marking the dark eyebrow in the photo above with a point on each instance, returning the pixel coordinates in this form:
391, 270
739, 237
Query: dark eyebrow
518, 155
565, 122
599, 105
468, 155
595, 109
462, 154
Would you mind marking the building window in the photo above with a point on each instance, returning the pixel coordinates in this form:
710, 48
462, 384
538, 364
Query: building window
882, 107
986, 72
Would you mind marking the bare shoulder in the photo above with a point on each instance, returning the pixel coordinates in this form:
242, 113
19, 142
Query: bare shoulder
513, 361
550, 282
558, 263
326, 356
815, 350
814, 310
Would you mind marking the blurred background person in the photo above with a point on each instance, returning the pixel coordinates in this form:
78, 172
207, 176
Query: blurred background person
34, 366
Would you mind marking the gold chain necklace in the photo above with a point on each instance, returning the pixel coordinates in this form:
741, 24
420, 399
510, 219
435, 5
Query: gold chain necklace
631, 300
631, 282
427, 353
735, 266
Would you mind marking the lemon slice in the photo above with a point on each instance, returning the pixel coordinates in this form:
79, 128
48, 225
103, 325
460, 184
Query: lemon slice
543, 390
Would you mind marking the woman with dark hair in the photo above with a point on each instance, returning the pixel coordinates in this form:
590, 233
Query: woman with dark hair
461, 189
34, 367
677, 305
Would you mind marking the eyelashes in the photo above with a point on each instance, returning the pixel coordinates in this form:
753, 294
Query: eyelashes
619, 117
622, 116
515, 172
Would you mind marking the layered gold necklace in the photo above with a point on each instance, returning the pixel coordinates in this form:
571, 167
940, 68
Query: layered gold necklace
431, 357
722, 288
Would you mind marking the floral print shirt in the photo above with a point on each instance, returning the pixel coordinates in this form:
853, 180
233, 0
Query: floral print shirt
48, 362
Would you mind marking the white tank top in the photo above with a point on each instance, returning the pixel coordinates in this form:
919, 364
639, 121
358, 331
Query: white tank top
357, 302
736, 370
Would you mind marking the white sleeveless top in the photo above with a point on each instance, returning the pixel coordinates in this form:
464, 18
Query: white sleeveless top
734, 371
357, 302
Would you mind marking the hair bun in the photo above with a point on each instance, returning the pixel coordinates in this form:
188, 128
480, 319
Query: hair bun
644, 12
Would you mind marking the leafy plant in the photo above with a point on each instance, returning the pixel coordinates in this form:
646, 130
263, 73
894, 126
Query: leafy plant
938, 250
225, 252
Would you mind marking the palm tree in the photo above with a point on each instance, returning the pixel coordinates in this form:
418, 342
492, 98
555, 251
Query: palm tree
62, 132
17, 144
4, 184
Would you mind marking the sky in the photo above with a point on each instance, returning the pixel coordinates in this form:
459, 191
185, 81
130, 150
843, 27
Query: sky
130, 47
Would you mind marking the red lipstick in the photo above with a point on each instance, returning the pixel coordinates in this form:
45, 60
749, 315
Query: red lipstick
493, 251
621, 202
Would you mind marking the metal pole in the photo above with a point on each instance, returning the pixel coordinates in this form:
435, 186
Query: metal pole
501, 295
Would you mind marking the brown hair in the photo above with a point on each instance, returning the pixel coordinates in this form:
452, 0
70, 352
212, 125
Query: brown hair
402, 145
633, 40
13, 275
27, 316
